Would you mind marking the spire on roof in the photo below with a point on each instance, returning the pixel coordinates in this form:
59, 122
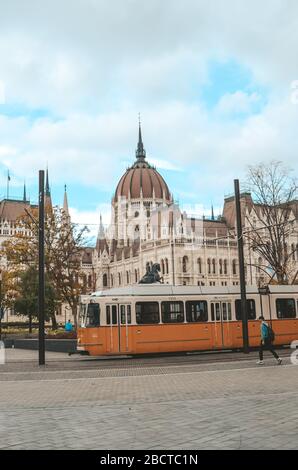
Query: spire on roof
48, 192
101, 230
65, 203
101, 242
140, 152
48, 199
24, 194
212, 213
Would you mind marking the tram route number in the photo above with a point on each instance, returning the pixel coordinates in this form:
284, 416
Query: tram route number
150, 459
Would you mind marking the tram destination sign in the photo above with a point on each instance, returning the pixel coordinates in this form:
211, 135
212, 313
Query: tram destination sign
264, 290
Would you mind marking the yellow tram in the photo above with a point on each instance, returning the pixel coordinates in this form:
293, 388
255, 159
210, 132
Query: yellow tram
160, 318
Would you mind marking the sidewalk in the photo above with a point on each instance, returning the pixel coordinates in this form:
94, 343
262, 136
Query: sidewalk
232, 405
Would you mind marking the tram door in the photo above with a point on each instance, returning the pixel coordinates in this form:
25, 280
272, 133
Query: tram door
221, 316
118, 319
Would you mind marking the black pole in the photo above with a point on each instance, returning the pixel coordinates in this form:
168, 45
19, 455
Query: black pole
241, 269
41, 275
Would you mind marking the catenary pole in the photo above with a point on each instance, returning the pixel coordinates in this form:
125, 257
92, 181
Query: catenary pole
241, 269
41, 270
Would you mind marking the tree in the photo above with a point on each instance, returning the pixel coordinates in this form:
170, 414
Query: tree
63, 252
8, 290
272, 221
26, 301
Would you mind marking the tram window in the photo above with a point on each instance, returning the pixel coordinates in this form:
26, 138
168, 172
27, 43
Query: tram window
196, 311
108, 314
215, 311
212, 312
114, 314
128, 314
229, 311
172, 312
285, 308
250, 307
224, 311
93, 312
147, 313
122, 312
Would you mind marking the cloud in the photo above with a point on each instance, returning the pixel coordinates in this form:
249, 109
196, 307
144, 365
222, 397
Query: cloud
237, 103
79, 55
93, 65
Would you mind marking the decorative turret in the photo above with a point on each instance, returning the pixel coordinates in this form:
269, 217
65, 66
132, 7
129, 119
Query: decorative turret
48, 199
24, 193
140, 152
65, 205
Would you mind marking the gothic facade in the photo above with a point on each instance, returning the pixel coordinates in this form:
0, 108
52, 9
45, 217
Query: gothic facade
148, 227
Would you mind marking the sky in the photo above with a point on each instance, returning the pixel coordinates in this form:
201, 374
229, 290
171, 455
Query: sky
215, 82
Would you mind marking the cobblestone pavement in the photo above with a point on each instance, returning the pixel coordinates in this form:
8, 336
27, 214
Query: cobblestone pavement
232, 404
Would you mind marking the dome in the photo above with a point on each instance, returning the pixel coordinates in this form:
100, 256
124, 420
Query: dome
142, 179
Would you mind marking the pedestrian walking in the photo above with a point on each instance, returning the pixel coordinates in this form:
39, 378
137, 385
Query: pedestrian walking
267, 338
68, 326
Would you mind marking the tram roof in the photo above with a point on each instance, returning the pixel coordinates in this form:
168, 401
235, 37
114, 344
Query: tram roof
167, 289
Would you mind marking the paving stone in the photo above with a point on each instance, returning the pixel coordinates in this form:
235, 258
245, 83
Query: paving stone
238, 406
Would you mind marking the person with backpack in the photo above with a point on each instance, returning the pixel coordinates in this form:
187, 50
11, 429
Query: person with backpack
267, 338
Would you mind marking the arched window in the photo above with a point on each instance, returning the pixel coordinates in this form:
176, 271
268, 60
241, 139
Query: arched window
136, 276
84, 281
112, 280
199, 265
209, 265
234, 267
105, 280
162, 265
119, 279
127, 277
213, 266
260, 262
220, 267
167, 265
89, 280
225, 266
137, 232
184, 264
